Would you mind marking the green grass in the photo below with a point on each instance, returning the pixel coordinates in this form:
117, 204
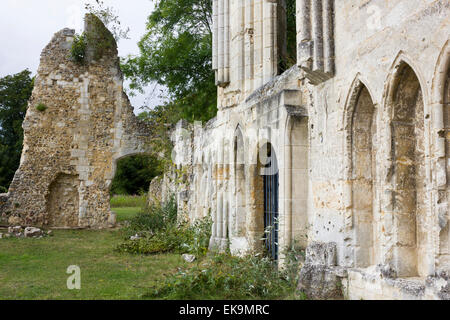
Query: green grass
124, 214
36, 268
126, 201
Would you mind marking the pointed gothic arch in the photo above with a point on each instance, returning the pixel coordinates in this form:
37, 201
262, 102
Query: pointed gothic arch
362, 172
406, 107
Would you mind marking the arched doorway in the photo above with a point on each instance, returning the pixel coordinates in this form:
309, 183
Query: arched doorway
270, 176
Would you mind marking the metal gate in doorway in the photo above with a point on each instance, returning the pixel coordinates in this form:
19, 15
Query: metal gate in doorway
271, 206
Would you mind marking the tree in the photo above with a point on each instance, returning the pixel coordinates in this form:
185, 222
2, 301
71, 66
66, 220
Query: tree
134, 174
291, 33
176, 52
15, 90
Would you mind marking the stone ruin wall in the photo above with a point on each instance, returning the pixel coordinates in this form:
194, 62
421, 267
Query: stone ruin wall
362, 142
71, 148
360, 128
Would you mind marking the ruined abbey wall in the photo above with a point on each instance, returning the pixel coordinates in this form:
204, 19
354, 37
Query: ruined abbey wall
71, 148
360, 131
348, 149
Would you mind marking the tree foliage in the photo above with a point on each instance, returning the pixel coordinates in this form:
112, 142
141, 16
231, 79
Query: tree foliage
176, 53
110, 19
291, 33
15, 90
134, 174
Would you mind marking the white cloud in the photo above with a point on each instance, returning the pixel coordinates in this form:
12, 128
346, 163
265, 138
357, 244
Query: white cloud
26, 26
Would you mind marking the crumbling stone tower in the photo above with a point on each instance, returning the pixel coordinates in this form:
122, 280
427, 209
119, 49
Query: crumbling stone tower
79, 122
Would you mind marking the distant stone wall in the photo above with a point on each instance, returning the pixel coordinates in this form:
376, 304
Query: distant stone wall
71, 148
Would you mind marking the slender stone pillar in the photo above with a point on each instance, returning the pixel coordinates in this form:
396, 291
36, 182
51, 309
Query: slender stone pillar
215, 34
225, 221
317, 31
219, 223
221, 56
328, 36
226, 39
258, 43
239, 53
269, 40
304, 50
249, 46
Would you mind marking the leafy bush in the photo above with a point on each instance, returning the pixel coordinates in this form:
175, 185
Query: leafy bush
160, 231
154, 218
222, 276
126, 201
41, 107
78, 50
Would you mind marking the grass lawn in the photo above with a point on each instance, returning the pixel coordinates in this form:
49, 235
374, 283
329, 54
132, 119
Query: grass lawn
36, 268
126, 213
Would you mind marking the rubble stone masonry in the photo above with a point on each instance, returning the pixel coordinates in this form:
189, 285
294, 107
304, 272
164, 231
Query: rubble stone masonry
71, 148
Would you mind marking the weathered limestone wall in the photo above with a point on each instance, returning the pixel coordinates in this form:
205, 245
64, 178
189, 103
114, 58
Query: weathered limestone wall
71, 149
375, 54
360, 130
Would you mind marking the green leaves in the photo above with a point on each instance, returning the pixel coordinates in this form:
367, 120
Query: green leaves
160, 230
15, 90
134, 174
176, 53
41, 107
78, 50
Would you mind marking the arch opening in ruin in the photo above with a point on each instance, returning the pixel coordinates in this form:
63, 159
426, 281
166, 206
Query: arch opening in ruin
139, 176
408, 154
363, 142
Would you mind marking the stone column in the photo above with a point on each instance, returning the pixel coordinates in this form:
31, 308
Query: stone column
287, 189
215, 34
258, 44
315, 39
239, 53
226, 42
221, 43
269, 40
224, 240
249, 46
219, 223
328, 36
304, 43
317, 31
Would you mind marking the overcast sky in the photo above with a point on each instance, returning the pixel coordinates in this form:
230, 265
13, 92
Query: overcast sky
26, 26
